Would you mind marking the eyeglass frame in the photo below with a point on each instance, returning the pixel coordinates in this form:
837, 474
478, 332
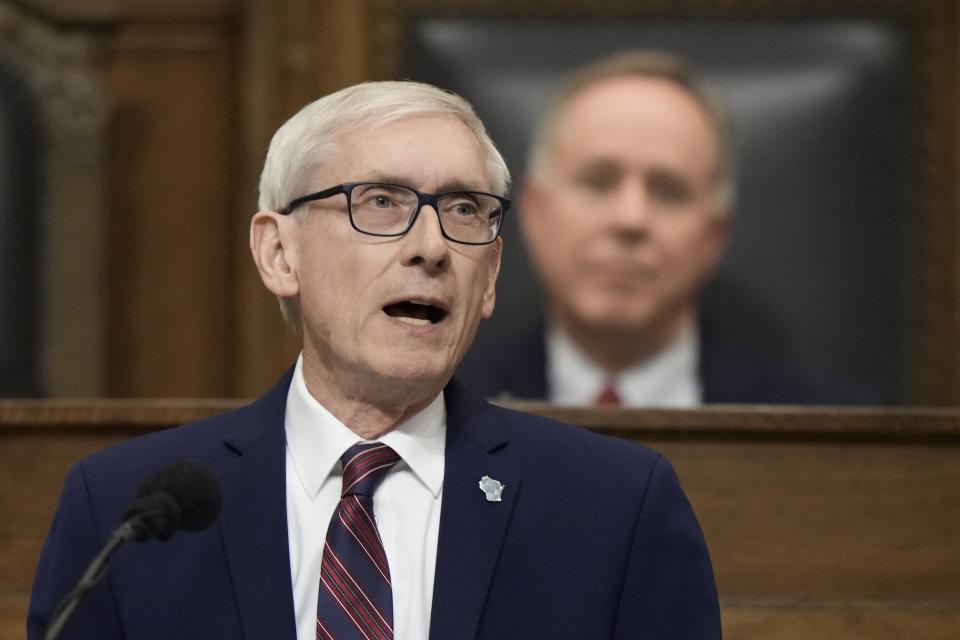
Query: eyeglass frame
423, 198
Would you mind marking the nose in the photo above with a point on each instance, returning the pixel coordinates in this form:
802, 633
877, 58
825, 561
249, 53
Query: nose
632, 214
424, 244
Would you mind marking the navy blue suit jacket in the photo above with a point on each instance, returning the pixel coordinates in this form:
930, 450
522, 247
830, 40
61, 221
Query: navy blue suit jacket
594, 537
728, 374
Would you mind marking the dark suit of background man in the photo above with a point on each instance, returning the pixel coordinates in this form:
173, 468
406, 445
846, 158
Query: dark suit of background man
494, 524
626, 213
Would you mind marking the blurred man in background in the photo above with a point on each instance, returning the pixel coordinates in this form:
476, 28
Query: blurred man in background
626, 213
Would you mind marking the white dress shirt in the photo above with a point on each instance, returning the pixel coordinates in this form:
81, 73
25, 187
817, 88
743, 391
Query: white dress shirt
406, 506
669, 378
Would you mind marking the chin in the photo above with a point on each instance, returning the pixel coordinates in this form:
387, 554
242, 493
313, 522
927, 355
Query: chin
410, 372
614, 315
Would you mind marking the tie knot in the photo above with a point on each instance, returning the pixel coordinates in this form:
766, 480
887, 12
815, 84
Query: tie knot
608, 396
365, 466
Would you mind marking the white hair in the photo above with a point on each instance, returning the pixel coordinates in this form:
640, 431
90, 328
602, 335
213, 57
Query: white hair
312, 139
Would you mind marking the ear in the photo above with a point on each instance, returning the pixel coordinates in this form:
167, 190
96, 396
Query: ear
274, 248
530, 208
493, 270
719, 236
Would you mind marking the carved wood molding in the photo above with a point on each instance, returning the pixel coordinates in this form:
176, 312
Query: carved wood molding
137, 415
661, 8
768, 423
63, 68
92, 13
715, 423
64, 13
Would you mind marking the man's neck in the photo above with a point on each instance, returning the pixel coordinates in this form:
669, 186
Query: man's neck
614, 349
368, 413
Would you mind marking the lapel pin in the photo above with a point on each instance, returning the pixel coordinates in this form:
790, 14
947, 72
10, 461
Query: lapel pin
491, 488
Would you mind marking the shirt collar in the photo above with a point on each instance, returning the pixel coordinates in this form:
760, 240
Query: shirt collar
316, 439
669, 378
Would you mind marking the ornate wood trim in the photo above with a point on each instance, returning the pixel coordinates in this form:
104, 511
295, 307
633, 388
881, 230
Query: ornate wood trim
133, 415
62, 68
716, 423
769, 423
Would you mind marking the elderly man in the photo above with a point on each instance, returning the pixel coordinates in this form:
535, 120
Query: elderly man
369, 495
626, 213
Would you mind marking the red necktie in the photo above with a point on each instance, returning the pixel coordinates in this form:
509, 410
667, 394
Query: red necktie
356, 599
608, 395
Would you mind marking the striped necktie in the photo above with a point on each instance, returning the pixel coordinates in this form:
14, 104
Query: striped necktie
356, 600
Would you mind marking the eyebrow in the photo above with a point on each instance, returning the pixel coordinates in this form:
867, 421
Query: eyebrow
452, 185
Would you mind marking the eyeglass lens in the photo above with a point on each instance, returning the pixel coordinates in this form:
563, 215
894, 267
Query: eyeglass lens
387, 209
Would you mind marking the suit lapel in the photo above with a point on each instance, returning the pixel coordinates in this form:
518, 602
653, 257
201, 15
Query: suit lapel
254, 519
472, 529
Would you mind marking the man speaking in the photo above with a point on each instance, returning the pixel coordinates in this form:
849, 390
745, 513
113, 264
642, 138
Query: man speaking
368, 494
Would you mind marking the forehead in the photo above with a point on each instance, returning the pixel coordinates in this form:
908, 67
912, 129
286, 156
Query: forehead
422, 151
634, 115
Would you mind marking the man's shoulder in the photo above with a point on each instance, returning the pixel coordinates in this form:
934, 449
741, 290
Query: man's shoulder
202, 440
213, 441
561, 469
543, 441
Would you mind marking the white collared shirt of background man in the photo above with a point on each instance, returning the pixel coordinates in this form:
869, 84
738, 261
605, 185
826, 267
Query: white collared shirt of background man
669, 378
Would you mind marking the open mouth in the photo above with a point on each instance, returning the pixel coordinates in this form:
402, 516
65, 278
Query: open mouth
415, 313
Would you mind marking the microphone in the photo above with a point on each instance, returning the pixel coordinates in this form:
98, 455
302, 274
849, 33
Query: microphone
185, 495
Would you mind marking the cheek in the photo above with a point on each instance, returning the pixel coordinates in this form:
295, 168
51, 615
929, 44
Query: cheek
558, 241
479, 285
692, 250
553, 221
326, 284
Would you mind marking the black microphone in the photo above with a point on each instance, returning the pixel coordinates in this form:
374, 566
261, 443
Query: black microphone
186, 495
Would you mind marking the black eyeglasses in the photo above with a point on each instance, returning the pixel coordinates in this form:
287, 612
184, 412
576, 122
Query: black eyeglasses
384, 209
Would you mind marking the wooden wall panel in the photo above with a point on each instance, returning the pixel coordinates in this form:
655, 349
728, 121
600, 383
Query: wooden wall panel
847, 622
296, 51
62, 67
821, 524
171, 309
811, 523
140, 101
38, 443
30, 469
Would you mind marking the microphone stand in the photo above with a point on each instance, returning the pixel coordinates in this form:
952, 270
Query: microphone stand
126, 532
184, 495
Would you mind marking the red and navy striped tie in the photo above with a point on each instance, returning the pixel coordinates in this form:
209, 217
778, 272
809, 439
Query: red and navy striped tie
356, 600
